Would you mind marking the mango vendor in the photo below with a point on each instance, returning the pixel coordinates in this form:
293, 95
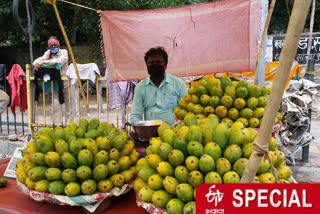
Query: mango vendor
157, 95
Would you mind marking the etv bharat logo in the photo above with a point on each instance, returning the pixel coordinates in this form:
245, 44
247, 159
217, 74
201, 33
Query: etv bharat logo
214, 196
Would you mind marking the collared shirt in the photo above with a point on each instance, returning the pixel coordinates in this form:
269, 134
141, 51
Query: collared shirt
60, 58
153, 103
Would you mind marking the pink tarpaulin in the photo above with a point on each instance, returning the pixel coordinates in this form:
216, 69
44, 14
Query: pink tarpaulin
200, 39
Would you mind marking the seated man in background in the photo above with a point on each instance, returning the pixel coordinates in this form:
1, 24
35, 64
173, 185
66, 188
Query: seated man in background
157, 95
47, 67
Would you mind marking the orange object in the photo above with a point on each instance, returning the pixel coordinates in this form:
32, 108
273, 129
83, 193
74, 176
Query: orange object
272, 68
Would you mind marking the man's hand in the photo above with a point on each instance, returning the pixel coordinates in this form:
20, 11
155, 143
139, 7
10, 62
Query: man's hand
38, 65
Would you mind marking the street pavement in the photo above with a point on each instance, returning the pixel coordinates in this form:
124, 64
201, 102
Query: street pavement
309, 172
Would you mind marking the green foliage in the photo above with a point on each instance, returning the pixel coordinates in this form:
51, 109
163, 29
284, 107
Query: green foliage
280, 18
82, 25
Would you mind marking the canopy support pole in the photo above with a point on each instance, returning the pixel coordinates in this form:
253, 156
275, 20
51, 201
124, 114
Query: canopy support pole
295, 28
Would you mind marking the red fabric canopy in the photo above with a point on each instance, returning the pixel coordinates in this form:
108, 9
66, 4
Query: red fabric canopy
200, 39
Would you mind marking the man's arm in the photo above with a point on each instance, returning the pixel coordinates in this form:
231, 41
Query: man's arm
183, 90
39, 61
137, 109
62, 59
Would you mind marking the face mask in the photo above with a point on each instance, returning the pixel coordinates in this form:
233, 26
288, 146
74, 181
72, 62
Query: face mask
156, 71
54, 50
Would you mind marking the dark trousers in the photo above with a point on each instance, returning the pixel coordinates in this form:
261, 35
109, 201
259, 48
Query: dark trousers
54, 75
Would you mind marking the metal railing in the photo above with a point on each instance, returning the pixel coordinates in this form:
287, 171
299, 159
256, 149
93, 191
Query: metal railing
37, 111
9, 119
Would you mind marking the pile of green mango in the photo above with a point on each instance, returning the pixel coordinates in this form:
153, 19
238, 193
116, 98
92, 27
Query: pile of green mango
230, 100
80, 159
200, 151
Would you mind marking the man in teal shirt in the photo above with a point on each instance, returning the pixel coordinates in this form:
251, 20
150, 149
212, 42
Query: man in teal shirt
157, 95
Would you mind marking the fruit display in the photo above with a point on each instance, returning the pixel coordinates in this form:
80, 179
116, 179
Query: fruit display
230, 100
200, 151
79, 159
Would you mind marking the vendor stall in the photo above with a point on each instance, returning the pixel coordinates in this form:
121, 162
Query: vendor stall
12, 200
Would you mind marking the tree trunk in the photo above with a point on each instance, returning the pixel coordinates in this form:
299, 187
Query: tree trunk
295, 28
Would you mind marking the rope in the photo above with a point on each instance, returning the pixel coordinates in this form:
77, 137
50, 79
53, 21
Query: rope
79, 5
264, 149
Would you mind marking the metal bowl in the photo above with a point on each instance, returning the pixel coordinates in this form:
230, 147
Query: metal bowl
146, 129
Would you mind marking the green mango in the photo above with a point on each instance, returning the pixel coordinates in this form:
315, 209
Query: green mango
94, 123
220, 135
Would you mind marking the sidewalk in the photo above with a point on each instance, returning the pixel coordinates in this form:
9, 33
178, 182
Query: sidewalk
309, 172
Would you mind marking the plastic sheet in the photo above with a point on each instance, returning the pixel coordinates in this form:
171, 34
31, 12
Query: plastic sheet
297, 102
200, 39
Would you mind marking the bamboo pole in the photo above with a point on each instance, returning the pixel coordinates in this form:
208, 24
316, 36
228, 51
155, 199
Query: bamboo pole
36, 115
44, 103
52, 103
127, 117
53, 2
79, 5
79, 107
97, 93
310, 38
61, 114
87, 91
107, 97
266, 26
42, 125
295, 28
29, 99
117, 118
288, 8
69, 100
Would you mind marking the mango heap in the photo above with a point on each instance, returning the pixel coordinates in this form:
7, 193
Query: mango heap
79, 159
184, 157
230, 100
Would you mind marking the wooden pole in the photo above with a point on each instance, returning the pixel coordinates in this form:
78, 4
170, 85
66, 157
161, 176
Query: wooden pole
295, 28
97, 94
70, 51
29, 32
44, 103
266, 26
52, 103
107, 97
69, 100
310, 38
288, 8
79, 106
29, 99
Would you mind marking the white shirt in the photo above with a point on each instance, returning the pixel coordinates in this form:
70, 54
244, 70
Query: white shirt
59, 58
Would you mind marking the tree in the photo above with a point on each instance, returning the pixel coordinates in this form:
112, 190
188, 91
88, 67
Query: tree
82, 25
280, 17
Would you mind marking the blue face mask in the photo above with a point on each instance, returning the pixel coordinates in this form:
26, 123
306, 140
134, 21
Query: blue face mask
54, 50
